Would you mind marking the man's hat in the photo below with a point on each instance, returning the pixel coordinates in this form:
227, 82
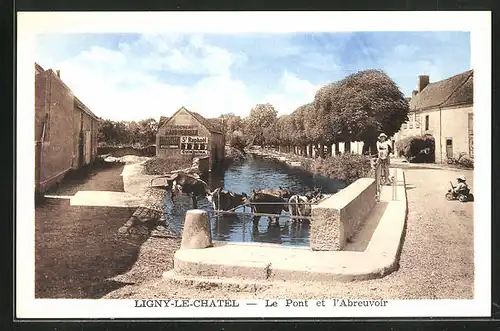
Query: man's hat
461, 177
382, 135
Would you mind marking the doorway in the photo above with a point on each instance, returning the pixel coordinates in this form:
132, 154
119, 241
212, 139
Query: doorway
449, 147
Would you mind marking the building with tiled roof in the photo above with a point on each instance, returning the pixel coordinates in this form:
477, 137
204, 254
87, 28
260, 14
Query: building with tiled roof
65, 130
189, 133
443, 109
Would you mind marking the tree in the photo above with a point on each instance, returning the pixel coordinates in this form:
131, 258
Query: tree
362, 105
106, 132
125, 133
148, 129
232, 124
300, 137
261, 116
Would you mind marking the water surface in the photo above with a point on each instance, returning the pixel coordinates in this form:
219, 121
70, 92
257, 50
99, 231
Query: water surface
243, 176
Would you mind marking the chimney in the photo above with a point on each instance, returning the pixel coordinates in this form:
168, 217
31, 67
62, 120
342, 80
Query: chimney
58, 73
414, 93
423, 81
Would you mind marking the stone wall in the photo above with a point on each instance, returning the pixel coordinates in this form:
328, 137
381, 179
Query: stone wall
340, 217
127, 150
204, 164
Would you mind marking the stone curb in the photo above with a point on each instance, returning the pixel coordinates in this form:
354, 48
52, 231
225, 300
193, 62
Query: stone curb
230, 284
397, 164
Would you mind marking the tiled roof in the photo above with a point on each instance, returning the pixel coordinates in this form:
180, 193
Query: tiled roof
453, 91
84, 108
212, 124
162, 120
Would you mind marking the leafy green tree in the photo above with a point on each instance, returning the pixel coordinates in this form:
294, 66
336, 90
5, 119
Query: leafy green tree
106, 132
261, 116
148, 129
300, 137
232, 124
362, 105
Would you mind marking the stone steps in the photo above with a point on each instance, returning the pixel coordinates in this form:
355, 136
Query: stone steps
230, 284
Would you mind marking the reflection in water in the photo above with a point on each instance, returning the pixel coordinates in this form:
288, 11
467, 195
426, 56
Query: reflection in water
251, 173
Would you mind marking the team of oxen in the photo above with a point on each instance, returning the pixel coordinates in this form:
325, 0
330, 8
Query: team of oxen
270, 203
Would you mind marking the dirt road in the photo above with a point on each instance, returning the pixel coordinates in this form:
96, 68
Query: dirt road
77, 248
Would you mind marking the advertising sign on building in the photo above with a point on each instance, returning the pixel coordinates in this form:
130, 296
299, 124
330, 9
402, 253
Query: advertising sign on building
169, 142
194, 151
194, 140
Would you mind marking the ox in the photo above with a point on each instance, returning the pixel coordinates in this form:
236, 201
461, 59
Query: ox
300, 205
283, 193
222, 200
188, 184
314, 195
272, 204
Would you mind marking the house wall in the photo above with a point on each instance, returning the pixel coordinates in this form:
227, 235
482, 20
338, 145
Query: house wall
59, 152
458, 131
451, 122
82, 123
77, 114
55, 99
218, 145
88, 126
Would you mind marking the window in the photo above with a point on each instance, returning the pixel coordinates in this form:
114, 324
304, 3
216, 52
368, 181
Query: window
426, 122
417, 121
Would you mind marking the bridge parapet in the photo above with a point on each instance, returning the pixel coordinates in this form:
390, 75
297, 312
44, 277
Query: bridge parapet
338, 218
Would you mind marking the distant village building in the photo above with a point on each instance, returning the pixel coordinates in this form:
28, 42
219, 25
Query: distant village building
443, 109
189, 133
65, 130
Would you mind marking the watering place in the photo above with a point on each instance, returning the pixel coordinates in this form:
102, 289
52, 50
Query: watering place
253, 173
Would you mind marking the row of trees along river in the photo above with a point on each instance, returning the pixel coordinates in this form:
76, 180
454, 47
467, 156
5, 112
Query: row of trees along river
356, 108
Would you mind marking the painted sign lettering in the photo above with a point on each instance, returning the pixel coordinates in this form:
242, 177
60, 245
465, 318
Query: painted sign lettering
194, 151
194, 140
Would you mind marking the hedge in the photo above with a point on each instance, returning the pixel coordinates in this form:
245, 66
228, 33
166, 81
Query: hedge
417, 149
345, 167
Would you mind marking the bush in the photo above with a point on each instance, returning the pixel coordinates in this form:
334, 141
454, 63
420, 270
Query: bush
345, 167
463, 161
238, 142
234, 154
417, 149
160, 166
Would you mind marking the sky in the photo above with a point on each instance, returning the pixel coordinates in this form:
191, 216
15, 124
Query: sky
139, 76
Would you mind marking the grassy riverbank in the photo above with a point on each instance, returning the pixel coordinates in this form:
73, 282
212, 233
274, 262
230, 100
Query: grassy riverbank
345, 167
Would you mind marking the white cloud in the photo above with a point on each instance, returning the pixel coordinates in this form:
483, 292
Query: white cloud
178, 54
114, 85
104, 57
404, 51
321, 62
125, 84
293, 93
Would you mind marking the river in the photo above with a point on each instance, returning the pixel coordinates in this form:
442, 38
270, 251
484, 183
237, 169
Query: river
243, 176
